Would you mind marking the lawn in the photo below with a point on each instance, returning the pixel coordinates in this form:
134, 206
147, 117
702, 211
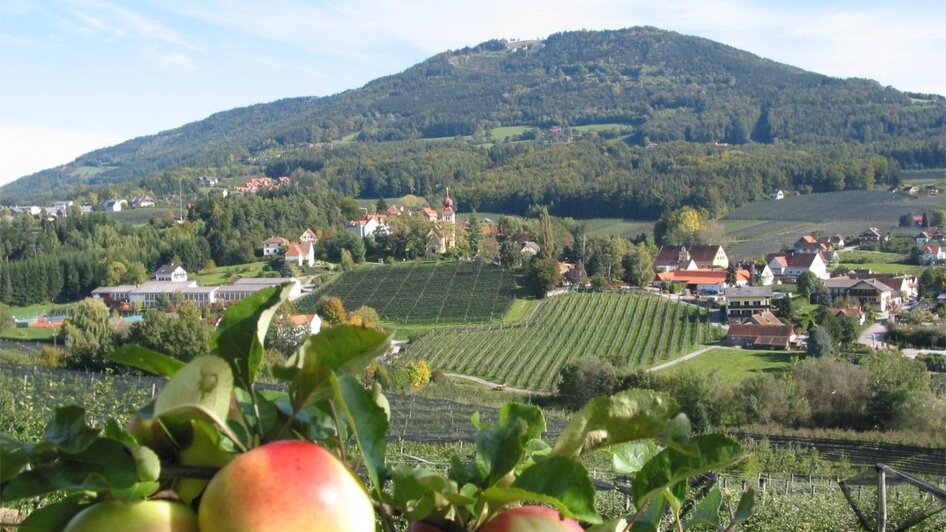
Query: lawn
617, 227
884, 267
31, 334
222, 274
738, 364
500, 134
38, 309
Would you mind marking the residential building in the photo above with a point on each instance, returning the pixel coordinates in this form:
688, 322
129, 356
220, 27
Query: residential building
273, 245
787, 267
703, 281
671, 258
367, 226
932, 235
142, 201
115, 205
777, 194
933, 253
849, 312
870, 293
873, 234
309, 236
302, 253
744, 301
905, 285
171, 273
764, 318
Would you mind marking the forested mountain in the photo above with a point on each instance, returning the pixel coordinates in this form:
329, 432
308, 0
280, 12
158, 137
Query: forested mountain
647, 85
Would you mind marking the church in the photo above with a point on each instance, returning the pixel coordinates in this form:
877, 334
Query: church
443, 236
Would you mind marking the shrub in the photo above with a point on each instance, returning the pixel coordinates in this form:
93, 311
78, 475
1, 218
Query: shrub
50, 357
585, 378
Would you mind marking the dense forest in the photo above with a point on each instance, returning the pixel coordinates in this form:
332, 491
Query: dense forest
656, 86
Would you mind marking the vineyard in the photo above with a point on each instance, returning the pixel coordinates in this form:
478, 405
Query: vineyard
424, 293
636, 329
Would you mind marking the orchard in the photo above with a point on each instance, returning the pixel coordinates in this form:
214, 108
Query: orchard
212, 452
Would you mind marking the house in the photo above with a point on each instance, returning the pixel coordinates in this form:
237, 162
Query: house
932, 235
115, 205
777, 194
849, 312
809, 244
764, 318
905, 285
309, 236
933, 253
273, 245
395, 210
703, 281
142, 201
367, 226
529, 249
303, 323
302, 253
429, 214
761, 336
671, 258
873, 234
744, 301
870, 293
171, 273
207, 181
787, 267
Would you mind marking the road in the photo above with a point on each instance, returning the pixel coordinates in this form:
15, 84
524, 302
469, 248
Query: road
684, 358
874, 335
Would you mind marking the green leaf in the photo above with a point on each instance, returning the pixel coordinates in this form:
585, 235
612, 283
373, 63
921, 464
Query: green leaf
712, 451
628, 458
53, 517
649, 519
500, 449
206, 382
744, 509
368, 421
707, 511
565, 480
345, 348
626, 416
13, 457
242, 330
616, 524
412, 485
530, 416
68, 431
146, 359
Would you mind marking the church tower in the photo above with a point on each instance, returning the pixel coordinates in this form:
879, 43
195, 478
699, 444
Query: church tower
450, 217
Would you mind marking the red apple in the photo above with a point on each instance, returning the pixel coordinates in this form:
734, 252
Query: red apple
530, 519
145, 516
286, 486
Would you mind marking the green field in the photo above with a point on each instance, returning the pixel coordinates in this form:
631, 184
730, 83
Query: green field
444, 292
22, 333
878, 262
737, 364
638, 329
765, 226
617, 227
500, 134
222, 274
39, 309
142, 215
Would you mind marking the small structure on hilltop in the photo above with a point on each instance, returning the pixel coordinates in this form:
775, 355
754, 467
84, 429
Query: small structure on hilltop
171, 273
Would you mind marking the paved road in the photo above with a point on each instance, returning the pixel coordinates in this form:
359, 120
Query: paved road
684, 358
874, 336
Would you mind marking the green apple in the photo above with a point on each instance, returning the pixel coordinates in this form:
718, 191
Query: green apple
286, 486
145, 516
531, 519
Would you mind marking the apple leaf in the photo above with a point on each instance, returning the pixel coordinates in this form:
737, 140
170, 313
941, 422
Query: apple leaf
145, 359
68, 431
242, 330
205, 381
13, 457
626, 416
563, 480
367, 420
707, 511
628, 458
501, 448
670, 466
744, 508
345, 348
412, 485
53, 516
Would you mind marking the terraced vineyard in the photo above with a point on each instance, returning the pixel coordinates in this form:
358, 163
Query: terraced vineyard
640, 329
448, 292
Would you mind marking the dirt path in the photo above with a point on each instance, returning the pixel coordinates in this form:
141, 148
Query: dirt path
684, 358
502, 387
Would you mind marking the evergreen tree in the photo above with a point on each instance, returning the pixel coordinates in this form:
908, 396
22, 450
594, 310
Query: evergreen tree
474, 233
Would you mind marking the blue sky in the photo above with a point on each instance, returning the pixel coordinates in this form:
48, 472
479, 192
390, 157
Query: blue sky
81, 74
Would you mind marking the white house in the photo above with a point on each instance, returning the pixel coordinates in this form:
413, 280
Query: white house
115, 205
789, 267
302, 253
933, 235
777, 194
142, 201
368, 225
933, 252
671, 258
171, 273
309, 237
870, 293
273, 245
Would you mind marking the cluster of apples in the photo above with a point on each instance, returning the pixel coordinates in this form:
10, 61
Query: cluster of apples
280, 487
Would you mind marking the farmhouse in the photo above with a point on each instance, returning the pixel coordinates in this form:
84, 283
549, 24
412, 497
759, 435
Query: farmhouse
744, 301
933, 235
777, 194
273, 245
142, 201
933, 253
302, 253
761, 336
870, 293
849, 312
873, 234
905, 285
300, 323
787, 267
671, 258
764, 318
115, 205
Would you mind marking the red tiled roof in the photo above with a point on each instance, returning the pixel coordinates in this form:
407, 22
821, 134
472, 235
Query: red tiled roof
294, 250
275, 240
752, 330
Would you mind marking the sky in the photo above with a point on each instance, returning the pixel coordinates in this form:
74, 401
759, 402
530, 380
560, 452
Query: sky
76, 75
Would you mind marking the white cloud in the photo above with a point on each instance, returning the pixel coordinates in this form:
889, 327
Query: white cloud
25, 150
119, 21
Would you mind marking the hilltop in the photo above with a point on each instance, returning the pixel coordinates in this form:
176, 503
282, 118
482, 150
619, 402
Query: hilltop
639, 85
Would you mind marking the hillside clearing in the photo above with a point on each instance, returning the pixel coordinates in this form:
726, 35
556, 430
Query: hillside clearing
736, 365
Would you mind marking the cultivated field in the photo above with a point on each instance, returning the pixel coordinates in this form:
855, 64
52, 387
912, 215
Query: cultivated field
765, 226
448, 292
636, 329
